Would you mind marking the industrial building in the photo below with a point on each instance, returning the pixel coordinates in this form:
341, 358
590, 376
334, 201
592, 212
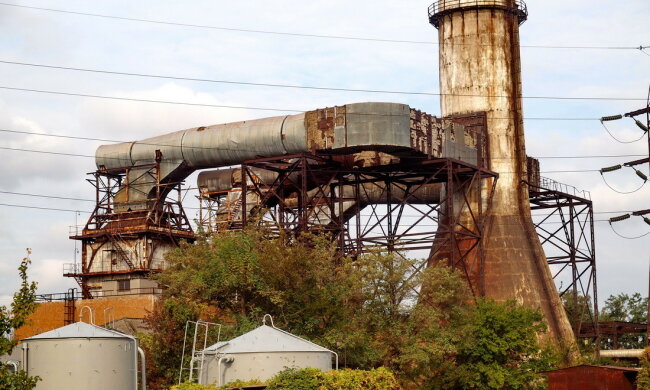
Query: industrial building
465, 174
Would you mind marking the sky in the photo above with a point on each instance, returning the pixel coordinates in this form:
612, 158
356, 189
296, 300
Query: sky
80, 41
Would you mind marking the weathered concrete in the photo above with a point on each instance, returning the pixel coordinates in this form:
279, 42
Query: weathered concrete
480, 72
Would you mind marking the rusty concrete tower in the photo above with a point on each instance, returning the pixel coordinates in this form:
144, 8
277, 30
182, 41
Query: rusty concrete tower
480, 71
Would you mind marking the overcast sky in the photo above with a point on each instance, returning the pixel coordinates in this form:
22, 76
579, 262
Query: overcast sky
53, 38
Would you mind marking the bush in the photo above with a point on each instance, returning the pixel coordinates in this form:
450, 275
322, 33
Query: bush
643, 380
295, 379
379, 379
239, 384
192, 386
313, 379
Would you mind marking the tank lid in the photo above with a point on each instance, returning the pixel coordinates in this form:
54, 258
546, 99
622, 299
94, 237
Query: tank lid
80, 330
266, 339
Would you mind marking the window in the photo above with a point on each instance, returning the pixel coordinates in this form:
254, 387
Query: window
124, 285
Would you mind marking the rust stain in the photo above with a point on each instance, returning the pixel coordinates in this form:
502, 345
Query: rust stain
320, 125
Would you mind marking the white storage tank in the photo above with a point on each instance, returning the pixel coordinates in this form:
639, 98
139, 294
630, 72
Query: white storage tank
81, 356
260, 354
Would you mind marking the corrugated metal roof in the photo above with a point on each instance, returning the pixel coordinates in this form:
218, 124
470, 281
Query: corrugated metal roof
79, 330
266, 339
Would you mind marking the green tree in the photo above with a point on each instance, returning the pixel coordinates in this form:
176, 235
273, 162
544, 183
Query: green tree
375, 311
625, 308
22, 306
500, 350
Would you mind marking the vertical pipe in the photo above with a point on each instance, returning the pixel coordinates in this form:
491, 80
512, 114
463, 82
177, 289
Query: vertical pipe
25, 356
143, 370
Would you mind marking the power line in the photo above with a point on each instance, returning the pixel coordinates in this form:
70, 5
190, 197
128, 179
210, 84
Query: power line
295, 86
148, 100
307, 35
87, 212
119, 158
247, 107
214, 148
627, 237
46, 196
617, 139
90, 156
42, 208
196, 208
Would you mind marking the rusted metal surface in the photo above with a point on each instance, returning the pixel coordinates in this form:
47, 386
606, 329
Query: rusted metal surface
586, 377
130, 230
611, 330
570, 246
441, 8
399, 206
480, 72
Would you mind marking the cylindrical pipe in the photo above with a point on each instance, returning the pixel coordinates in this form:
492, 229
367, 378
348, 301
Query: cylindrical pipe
25, 355
622, 353
14, 364
143, 369
221, 376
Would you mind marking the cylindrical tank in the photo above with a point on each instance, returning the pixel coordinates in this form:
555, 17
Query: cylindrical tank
480, 71
81, 356
260, 354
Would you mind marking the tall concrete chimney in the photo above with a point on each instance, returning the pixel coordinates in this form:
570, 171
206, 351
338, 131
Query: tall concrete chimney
480, 71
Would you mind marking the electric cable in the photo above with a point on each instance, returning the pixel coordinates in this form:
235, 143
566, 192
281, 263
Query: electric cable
281, 33
43, 208
187, 189
46, 196
234, 149
618, 140
118, 158
627, 237
88, 212
245, 107
295, 86
621, 192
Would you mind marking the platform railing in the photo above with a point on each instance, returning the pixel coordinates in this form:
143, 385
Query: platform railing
441, 7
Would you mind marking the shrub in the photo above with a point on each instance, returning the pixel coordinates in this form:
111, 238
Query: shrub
313, 379
643, 380
295, 379
378, 379
192, 386
239, 384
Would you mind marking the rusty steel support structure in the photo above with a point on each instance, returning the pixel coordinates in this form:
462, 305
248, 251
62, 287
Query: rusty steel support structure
122, 237
320, 194
565, 225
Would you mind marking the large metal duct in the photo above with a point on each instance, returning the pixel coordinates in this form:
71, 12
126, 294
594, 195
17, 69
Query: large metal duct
348, 129
480, 70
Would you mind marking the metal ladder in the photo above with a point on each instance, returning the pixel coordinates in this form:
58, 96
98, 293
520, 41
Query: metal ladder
196, 357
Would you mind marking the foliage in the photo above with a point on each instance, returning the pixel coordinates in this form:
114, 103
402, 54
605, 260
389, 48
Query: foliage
643, 379
627, 308
23, 304
311, 378
500, 350
164, 343
376, 379
375, 311
192, 386
578, 309
238, 384
295, 379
